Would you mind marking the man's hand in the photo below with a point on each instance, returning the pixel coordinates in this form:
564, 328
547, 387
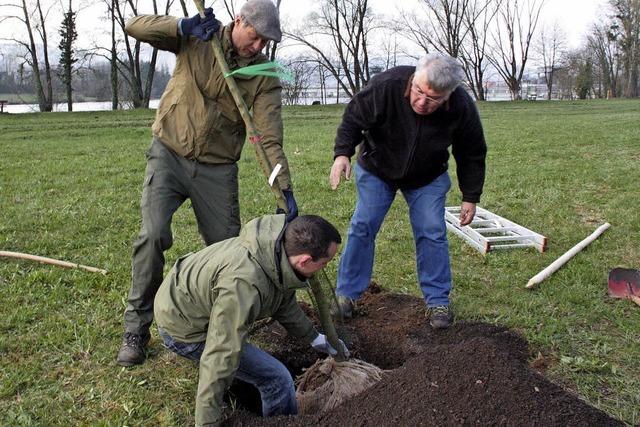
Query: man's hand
292, 206
321, 344
202, 28
341, 166
467, 212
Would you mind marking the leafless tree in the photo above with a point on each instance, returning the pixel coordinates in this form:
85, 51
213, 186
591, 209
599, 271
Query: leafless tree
389, 49
457, 27
627, 22
603, 43
130, 68
440, 24
516, 24
183, 4
550, 48
342, 27
113, 60
34, 20
301, 69
478, 18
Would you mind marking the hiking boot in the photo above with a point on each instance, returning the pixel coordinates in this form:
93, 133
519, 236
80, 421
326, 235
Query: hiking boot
132, 349
343, 308
440, 317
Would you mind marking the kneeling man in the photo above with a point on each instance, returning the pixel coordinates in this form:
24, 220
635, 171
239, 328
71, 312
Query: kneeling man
208, 301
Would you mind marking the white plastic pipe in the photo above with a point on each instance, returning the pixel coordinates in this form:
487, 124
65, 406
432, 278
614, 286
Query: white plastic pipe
566, 257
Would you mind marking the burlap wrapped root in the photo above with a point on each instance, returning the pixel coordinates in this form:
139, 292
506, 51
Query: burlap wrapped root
328, 383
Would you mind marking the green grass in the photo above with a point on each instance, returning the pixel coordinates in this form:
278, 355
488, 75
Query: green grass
70, 187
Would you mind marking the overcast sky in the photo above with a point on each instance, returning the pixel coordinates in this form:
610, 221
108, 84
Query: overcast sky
574, 16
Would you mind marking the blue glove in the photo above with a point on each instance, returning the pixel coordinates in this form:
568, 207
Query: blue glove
292, 206
320, 343
202, 28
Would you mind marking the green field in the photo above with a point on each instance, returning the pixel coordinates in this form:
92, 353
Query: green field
70, 187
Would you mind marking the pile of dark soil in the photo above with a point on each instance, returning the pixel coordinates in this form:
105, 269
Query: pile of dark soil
471, 373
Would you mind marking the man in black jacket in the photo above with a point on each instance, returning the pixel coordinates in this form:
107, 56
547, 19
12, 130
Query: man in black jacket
406, 119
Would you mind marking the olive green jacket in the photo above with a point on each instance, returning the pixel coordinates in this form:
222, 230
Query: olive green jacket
197, 117
214, 295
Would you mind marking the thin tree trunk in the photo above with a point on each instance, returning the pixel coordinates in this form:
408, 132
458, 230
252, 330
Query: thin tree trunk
35, 65
47, 65
114, 60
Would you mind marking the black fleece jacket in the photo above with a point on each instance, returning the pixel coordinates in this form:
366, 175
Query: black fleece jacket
408, 150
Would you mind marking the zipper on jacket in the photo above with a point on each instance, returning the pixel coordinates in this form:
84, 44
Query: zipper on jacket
413, 147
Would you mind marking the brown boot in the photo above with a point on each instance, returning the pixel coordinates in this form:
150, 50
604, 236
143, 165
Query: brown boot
132, 349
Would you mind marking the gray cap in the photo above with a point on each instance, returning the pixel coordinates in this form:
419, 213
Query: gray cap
263, 16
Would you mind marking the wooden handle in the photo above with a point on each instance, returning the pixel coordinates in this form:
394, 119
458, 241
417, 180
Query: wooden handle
51, 261
252, 131
566, 257
256, 139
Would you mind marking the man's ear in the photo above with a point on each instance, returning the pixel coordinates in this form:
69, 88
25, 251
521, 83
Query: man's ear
304, 260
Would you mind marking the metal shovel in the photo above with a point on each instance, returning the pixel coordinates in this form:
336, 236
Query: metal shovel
625, 283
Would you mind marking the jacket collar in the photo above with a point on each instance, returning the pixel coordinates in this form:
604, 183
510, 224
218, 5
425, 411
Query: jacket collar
287, 277
263, 238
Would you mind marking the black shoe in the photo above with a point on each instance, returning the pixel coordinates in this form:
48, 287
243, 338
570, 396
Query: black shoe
132, 349
343, 308
440, 317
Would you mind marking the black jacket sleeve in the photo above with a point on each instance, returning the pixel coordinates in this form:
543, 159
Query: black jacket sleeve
470, 149
363, 112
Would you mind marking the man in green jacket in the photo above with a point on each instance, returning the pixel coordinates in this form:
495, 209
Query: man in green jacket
208, 301
198, 135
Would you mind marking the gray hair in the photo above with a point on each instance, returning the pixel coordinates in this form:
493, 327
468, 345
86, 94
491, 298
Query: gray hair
443, 73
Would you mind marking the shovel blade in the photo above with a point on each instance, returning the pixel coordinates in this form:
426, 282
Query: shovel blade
624, 283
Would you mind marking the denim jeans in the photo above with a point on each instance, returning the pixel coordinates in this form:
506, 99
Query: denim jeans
258, 368
426, 213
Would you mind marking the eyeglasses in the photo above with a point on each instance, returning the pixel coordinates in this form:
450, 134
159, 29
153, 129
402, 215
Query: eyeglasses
430, 99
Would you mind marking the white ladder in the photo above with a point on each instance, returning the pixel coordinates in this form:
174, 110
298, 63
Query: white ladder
489, 231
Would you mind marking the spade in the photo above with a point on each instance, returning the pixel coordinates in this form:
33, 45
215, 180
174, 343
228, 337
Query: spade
625, 283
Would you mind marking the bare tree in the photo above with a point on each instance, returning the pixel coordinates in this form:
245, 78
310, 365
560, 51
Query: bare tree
550, 48
344, 25
130, 68
301, 70
389, 48
440, 25
113, 59
517, 22
478, 18
34, 21
603, 43
627, 22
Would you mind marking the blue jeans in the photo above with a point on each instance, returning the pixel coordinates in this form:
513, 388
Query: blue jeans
258, 368
426, 213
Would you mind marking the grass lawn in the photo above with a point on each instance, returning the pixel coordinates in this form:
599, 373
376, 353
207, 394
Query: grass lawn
70, 187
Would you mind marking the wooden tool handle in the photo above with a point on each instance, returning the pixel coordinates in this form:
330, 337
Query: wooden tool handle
51, 261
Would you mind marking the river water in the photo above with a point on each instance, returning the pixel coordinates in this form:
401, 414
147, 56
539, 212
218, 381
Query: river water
77, 106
